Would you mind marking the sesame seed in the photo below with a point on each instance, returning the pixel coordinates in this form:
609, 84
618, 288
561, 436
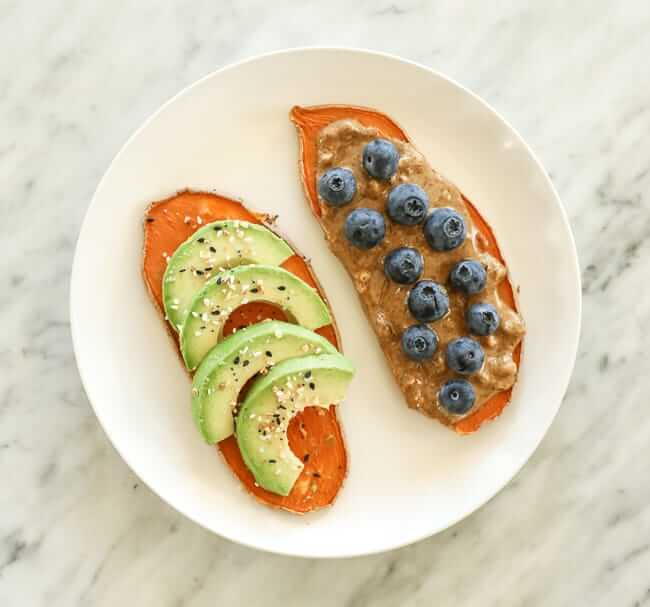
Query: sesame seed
187, 219
199, 220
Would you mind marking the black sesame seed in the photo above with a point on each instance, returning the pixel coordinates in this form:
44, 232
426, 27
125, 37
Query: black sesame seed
199, 272
255, 290
208, 269
312, 385
281, 288
182, 269
236, 361
316, 475
307, 374
217, 228
246, 363
272, 461
201, 240
305, 457
215, 312
213, 250
281, 407
150, 220
202, 327
269, 353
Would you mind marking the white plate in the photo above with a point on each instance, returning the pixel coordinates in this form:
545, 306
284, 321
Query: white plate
409, 477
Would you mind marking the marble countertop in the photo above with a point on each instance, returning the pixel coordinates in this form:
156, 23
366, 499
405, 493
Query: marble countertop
76, 526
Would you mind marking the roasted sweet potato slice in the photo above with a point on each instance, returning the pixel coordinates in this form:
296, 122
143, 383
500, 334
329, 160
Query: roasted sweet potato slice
314, 435
309, 122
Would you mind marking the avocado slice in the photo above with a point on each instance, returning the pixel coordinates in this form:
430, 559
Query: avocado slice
272, 402
213, 248
232, 288
232, 362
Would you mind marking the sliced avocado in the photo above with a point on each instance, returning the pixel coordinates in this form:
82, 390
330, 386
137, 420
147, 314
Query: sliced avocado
272, 401
228, 290
213, 248
232, 362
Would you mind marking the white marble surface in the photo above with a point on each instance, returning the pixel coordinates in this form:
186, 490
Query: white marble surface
77, 528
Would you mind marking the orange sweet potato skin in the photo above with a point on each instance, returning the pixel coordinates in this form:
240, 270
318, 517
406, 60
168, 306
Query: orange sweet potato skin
309, 121
314, 435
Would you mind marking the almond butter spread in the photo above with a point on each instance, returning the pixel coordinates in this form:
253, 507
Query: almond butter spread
341, 144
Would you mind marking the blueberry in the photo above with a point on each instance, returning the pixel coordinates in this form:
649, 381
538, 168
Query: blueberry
457, 396
464, 355
380, 158
404, 265
468, 276
407, 204
482, 319
365, 228
444, 229
428, 301
419, 342
337, 187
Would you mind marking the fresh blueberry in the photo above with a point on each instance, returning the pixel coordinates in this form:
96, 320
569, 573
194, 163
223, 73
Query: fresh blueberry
380, 158
468, 276
444, 229
404, 265
464, 355
419, 342
482, 319
428, 301
337, 187
457, 396
365, 228
407, 204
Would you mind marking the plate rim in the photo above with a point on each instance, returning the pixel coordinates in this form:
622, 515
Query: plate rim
575, 266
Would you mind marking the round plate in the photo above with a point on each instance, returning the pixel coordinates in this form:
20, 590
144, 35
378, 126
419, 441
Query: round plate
230, 132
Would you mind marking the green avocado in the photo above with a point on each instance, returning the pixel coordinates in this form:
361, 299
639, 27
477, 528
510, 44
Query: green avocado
212, 305
271, 403
213, 248
231, 364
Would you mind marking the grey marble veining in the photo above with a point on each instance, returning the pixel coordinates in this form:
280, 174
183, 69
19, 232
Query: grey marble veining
77, 528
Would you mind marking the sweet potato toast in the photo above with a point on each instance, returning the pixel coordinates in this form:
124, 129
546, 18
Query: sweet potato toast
335, 136
314, 435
